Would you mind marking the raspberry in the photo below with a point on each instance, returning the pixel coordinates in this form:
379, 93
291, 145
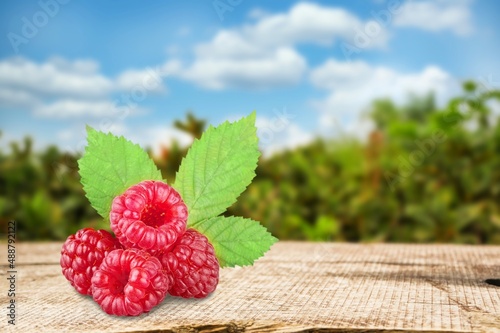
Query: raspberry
193, 266
82, 254
150, 216
129, 282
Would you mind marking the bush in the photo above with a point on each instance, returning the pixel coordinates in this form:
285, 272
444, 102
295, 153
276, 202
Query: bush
423, 175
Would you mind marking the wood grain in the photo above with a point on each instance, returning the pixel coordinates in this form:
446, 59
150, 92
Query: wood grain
296, 287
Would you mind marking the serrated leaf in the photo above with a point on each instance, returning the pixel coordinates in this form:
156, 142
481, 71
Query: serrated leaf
109, 166
218, 168
237, 241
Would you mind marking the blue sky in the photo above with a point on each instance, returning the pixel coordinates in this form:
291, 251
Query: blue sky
308, 68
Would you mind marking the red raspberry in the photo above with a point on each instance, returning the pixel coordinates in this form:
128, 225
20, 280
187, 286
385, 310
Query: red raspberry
82, 254
129, 282
193, 266
150, 215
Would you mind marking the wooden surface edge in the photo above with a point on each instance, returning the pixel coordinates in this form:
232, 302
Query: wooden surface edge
252, 327
306, 276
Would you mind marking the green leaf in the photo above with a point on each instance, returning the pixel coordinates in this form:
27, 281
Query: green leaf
217, 168
237, 241
109, 166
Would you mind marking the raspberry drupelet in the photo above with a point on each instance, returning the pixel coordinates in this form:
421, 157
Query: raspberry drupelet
192, 265
150, 216
81, 255
129, 282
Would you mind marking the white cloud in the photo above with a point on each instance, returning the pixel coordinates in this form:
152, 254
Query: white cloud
74, 140
336, 74
262, 54
62, 88
436, 16
76, 108
172, 67
165, 136
292, 137
280, 132
141, 79
17, 98
231, 61
277, 132
55, 77
158, 137
229, 44
281, 68
86, 66
74, 137
308, 23
352, 86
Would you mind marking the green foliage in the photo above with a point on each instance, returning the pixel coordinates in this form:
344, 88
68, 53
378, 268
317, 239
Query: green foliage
217, 168
43, 193
237, 241
109, 166
339, 190
425, 174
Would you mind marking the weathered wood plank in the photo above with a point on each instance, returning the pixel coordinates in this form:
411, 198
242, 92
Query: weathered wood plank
296, 287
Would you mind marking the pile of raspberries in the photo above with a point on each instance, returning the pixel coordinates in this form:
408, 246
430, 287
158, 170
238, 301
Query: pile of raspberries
152, 255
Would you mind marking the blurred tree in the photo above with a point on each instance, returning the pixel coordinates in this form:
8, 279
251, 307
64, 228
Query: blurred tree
425, 174
383, 113
191, 125
419, 109
169, 158
445, 187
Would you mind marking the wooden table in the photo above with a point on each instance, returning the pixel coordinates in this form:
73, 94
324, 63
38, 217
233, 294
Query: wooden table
296, 287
